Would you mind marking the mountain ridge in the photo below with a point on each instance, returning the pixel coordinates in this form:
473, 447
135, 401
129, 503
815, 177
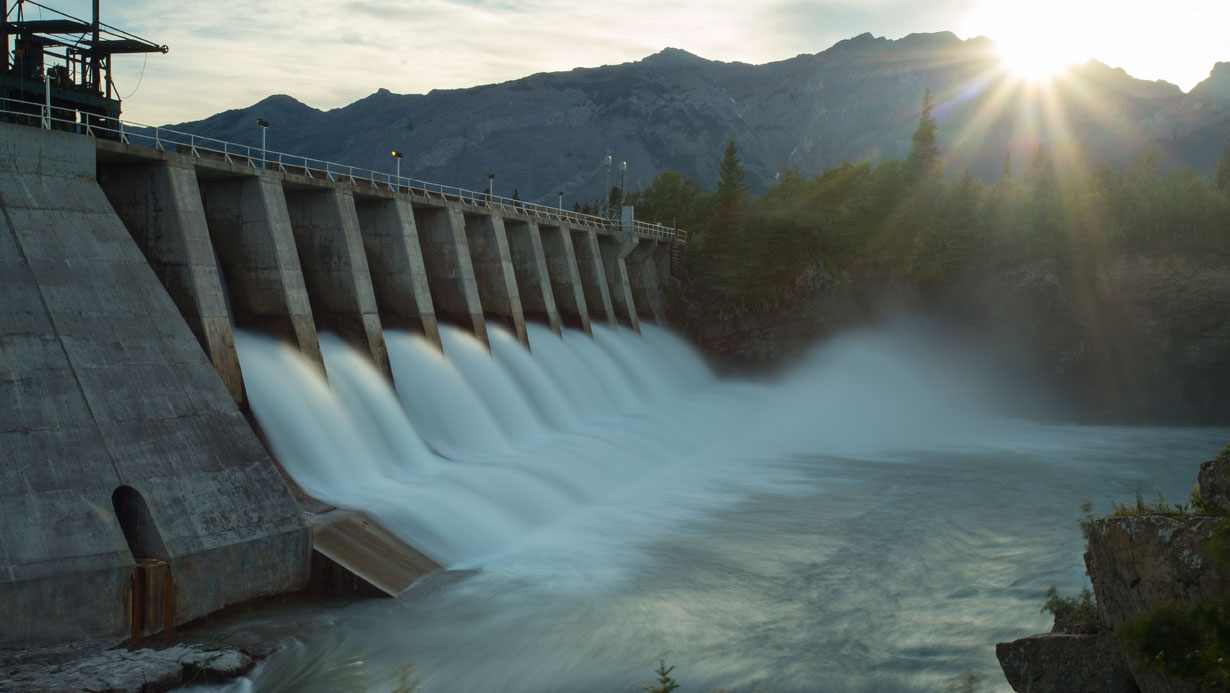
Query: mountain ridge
673, 110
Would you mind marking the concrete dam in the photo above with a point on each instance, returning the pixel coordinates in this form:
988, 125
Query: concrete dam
137, 496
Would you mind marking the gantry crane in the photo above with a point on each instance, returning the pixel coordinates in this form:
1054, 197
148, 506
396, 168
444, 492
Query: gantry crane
65, 63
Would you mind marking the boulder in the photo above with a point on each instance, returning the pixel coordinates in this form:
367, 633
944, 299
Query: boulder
1214, 480
215, 666
1065, 663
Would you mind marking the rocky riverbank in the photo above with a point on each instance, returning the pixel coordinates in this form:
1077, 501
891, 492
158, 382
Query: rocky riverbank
93, 666
225, 647
1142, 555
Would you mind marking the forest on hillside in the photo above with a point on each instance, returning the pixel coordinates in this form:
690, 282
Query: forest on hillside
916, 222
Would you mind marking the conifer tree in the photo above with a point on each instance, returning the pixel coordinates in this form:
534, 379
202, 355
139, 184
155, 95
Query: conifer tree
731, 195
1221, 177
924, 159
731, 188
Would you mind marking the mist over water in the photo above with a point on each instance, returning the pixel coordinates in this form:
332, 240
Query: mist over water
868, 520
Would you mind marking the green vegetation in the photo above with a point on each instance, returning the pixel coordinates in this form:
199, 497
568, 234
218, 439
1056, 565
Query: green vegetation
665, 683
907, 220
1153, 507
1190, 642
1077, 614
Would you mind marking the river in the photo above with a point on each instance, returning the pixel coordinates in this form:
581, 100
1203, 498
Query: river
875, 518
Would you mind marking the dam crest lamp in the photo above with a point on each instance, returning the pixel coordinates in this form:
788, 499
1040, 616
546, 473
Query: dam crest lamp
490, 185
264, 125
397, 155
560, 206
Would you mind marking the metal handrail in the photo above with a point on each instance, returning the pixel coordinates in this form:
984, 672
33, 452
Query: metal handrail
165, 139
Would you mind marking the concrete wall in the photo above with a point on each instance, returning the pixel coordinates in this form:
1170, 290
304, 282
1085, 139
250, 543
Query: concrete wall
593, 275
565, 276
613, 249
160, 204
251, 231
102, 384
642, 264
395, 260
330, 247
450, 273
530, 266
493, 271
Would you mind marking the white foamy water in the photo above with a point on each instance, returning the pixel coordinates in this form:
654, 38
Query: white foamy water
865, 521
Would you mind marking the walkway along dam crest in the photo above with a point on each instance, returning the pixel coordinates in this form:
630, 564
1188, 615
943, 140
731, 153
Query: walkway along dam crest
136, 496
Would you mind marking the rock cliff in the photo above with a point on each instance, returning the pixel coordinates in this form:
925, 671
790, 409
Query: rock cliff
1134, 561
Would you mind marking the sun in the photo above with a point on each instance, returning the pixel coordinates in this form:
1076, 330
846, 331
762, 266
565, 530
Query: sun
1037, 40
1033, 61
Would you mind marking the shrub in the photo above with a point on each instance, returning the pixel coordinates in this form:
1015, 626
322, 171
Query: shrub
1077, 614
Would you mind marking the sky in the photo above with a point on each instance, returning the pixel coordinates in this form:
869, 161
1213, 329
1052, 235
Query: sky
327, 53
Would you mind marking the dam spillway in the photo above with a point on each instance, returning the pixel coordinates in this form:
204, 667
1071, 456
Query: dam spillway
127, 269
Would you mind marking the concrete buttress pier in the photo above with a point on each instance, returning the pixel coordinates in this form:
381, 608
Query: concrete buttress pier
395, 260
334, 262
593, 275
493, 271
450, 272
122, 453
613, 249
565, 276
160, 204
530, 266
644, 280
251, 231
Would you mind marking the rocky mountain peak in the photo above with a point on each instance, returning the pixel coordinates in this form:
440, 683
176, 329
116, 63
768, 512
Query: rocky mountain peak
673, 56
1217, 85
675, 111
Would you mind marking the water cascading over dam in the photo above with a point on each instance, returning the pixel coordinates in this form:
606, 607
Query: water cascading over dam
474, 449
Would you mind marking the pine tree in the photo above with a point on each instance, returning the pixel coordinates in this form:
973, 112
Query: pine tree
731, 188
731, 202
924, 159
1221, 177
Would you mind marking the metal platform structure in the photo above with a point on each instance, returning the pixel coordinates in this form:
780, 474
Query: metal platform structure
63, 63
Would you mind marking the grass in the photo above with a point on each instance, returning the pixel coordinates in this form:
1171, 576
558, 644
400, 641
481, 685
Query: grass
1153, 507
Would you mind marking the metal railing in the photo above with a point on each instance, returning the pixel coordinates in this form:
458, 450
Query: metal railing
165, 139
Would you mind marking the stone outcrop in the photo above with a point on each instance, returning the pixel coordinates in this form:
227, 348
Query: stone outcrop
1053, 662
1133, 563
1214, 482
